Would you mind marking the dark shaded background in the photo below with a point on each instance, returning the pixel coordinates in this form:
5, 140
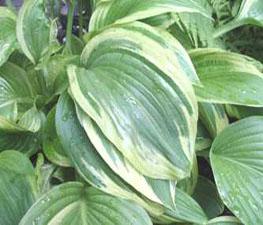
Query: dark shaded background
16, 3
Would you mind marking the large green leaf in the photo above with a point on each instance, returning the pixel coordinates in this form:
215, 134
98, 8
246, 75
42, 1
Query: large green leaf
237, 163
34, 30
17, 186
72, 203
124, 11
160, 191
8, 41
136, 100
143, 41
213, 116
85, 158
228, 77
250, 12
207, 196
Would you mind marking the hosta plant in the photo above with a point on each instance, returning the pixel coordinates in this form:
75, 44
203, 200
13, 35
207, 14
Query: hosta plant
146, 115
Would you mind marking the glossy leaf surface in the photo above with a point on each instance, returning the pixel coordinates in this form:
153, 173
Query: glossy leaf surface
34, 31
187, 210
17, 186
8, 41
160, 191
124, 11
237, 162
85, 158
73, 203
142, 108
228, 77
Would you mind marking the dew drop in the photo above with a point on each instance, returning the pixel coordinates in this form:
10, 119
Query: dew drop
254, 206
236, 212
71, 115
65, 117
131, 100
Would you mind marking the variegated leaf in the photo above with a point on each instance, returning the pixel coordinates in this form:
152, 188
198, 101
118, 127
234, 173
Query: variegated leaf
228, 78
124, 11
73, 203
35, 33
250, 12
143, 103
19, 119
159, 191
8, 42
87, 161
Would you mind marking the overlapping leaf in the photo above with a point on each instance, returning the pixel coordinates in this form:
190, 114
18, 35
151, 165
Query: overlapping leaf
194, 30
73, 203
87, 161
8, 41
207, 196
160, 191
55, 72
250, 12
143, 103
213, 117
188, 184
240, 112
237, 162
203, 139
228, 77
19, 118
35, 33
224, 220
187, 210
17, 186
123, 11
52, 147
